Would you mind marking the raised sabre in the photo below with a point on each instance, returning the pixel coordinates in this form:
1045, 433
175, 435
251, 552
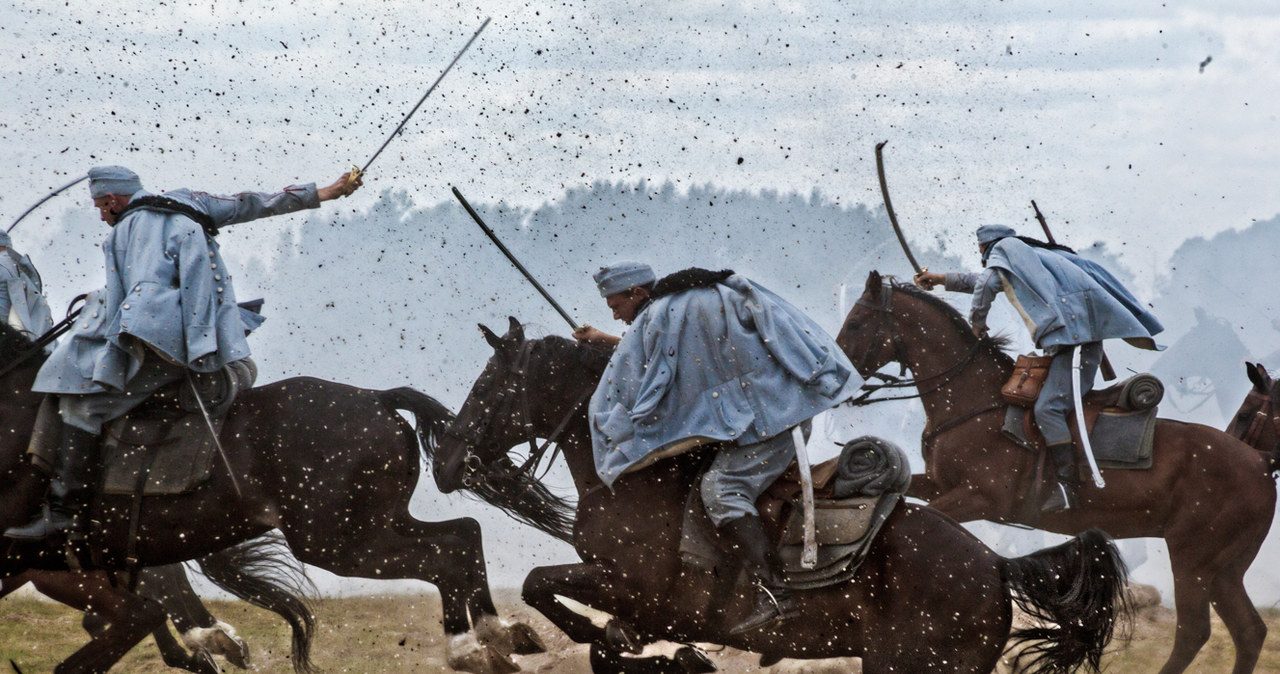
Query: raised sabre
494, 237
888, 207
357, 172
47, 197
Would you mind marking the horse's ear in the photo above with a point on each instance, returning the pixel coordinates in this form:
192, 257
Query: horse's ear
1259, 382
515, 330
874, 284
489, 336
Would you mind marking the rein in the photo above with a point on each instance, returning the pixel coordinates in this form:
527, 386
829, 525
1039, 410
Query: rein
884, 310
48, 337
476, 469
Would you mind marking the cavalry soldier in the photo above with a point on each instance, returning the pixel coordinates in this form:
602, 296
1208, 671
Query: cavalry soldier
22, 302
1066, 302
712, 356
168, 306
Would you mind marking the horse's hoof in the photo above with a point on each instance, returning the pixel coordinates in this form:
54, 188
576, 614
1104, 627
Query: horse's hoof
525, 639
769, 660
221, 639
205, 663
694, 661
622, 637
464, 653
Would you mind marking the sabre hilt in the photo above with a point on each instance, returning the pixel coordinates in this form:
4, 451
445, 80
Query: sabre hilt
353, 174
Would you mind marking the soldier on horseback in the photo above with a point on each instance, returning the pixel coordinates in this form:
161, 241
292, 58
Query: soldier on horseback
22, 302
167, 307
1067, 302
714, 357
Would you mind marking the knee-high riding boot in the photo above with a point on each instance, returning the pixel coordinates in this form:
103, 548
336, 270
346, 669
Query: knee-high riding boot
773, 601
1063, 496
75, 476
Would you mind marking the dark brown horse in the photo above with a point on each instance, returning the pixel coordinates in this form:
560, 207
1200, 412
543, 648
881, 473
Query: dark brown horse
260, 571
930, 596
332, 466
1207, 494
1257, 422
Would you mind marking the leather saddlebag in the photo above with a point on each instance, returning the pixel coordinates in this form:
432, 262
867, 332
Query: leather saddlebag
1029, 373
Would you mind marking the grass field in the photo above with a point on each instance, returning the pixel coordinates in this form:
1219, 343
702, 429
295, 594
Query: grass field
402, 633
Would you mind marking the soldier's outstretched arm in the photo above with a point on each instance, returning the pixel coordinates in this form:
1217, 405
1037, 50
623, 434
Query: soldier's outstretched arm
245, 206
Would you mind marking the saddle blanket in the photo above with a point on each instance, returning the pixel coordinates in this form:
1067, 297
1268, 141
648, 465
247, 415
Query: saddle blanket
1121, 439
158, 457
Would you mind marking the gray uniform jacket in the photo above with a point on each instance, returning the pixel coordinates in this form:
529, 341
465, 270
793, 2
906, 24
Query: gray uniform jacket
22, 302
1065, 299
732, 361
167, 289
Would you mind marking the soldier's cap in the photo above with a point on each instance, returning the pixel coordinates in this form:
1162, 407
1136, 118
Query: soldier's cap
105, 180
623, 276
989, 233
4, 239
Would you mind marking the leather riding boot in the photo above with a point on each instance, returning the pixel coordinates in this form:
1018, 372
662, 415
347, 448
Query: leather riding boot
75, 476
1063, 496
773, 601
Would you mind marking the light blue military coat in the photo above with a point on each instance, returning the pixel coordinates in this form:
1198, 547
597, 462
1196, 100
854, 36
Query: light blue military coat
730, 362
1066, 299
168, 288
22, 302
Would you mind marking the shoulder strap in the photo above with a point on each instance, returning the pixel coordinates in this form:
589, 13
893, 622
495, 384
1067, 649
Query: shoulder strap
167, 205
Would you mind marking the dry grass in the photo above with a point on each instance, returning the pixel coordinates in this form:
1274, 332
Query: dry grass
403, 634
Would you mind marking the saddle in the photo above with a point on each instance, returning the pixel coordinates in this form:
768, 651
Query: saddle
853, 496
1119, 419
164, 446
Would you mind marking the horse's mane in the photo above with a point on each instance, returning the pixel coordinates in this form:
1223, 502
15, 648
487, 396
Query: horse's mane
593, 359
12, 343
996, 345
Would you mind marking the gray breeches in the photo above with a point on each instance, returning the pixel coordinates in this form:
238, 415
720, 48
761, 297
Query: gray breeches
90, 411
739, 474
1054, 403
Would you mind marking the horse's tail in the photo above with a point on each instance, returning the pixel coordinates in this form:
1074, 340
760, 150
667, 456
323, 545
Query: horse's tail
264, 572
431, 415
1075, 592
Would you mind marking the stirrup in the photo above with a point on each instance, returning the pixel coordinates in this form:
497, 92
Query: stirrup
1059, 500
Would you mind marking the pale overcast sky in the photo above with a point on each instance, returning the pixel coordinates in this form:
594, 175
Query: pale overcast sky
1139, 123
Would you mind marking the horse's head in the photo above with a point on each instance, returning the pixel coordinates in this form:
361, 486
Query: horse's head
868, 334
1257, 422
492, 417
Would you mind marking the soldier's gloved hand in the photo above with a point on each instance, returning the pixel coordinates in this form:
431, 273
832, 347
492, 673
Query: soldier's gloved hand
929, 280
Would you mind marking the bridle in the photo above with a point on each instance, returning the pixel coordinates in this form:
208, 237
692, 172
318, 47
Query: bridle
884, 311
515, 391
1266, 412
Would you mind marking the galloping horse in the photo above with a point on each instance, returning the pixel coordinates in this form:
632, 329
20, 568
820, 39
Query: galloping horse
332, 466
1257, 422
929, 597
1207, 494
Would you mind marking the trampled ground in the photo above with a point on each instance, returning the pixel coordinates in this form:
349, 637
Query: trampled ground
402, 633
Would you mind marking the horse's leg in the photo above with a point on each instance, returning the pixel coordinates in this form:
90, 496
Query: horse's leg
508, 638
442, 553
133, 618
579, 582
1191, 602
171, 651
201, 631
1247, 628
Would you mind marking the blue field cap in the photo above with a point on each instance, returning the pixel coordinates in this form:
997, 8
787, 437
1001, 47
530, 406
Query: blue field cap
989, 233
623, 276
104, 180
